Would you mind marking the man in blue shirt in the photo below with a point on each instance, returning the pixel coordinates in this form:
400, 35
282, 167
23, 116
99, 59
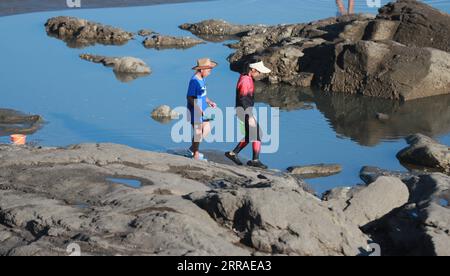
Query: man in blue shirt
197, 102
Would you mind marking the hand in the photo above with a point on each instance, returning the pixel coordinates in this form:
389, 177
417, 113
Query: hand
212, 104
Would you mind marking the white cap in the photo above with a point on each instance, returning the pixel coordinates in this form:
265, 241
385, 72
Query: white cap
260, 67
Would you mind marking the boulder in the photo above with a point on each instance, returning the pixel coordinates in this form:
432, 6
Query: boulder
169, 42
420, 227
426, 152
125, 68
376, 200
214, 27
54, 197
389, 70
164, 113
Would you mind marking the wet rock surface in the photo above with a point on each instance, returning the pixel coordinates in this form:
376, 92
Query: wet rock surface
15, 122
80, 33
125, 68
382, 56
52, 197
161, 42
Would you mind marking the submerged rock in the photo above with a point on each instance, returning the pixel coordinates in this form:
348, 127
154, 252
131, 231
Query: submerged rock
313, 171
125, 68
145, 32
14, 122
79, 33
170, 42
426, 152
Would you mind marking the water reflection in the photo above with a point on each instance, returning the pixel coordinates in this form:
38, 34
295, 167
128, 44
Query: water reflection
14, 122
75, 43
355, 117
128, 77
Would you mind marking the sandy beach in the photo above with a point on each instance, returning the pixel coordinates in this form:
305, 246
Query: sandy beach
12, 7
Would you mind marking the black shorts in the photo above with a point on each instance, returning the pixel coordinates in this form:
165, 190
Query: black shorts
252, 133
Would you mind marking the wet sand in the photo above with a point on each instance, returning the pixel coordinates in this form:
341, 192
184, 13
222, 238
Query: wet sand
12, 7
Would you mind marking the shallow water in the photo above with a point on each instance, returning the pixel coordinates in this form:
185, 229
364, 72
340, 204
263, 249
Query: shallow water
84, 102
133, 183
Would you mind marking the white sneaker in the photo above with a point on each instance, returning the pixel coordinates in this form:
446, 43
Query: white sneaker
191, 154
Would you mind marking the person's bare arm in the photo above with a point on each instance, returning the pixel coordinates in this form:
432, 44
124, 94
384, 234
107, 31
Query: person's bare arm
211, 103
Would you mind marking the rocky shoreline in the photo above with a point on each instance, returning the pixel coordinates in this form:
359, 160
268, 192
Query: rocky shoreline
54, 197
400, 54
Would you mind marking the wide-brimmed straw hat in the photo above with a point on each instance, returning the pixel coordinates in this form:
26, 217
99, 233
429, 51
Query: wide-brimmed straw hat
260, 67
205, 63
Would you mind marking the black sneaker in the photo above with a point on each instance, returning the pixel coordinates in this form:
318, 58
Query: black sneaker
234, 158
256, 164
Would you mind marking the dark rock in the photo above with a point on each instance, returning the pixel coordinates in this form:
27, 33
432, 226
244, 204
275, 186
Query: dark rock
418, 24
389, 70
370, 203
422, 226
